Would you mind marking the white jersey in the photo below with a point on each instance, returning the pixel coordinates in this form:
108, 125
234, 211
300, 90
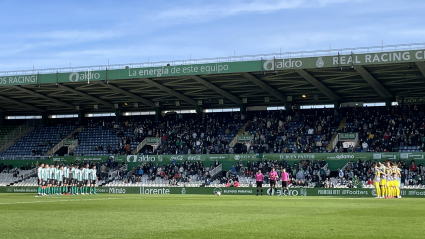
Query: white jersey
39, 172
60, 175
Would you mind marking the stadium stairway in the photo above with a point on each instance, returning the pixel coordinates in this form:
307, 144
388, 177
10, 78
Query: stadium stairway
240, 132
341, 125
141, 146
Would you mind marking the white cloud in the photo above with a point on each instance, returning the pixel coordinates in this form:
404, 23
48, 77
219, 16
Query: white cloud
230, 8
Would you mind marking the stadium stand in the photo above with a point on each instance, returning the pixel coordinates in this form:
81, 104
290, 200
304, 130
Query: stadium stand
399, 129
101, 140
301, 131
191, 133
37, 142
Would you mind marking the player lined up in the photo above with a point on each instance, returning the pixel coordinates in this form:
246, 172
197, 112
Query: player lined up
387, 180
66, 180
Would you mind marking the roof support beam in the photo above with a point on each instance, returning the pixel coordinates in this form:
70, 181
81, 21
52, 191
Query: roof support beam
131, 95
22, 104
421, 66
217, 89
44, 97
170, 91
373, 82
325, 90
87, 96
264, 86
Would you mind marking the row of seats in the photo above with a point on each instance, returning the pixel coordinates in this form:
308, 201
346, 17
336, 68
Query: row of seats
41, 139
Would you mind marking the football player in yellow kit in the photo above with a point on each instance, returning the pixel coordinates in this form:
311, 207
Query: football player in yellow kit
390, 179
376, 180
397, 176
383, 181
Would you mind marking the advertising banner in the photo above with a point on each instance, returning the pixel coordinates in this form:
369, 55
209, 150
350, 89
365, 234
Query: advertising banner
337, 192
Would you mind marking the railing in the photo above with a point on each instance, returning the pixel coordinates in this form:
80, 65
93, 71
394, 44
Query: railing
335, 142
62, 142
10, 138
216, 170
280, 55
55, 148
356, 141
234, 141
72, 146
140, 146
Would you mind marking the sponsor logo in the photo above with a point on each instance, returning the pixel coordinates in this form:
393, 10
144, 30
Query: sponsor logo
244, 156
59, 159
237, 191
196, 157
141, 158
101, 190
303, 192
117, 190
155, 191
217, 157
176, 158
320, 62
374, 193
83, 76
416, 193
21, 190
297, 156
355, 192
271, 65
217, 190
345, 156
183, 190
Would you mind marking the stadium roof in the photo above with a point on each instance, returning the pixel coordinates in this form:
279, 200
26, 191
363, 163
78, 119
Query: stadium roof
348, 75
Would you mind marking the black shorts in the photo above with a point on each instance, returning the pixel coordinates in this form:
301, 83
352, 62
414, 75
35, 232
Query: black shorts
49, 181
74, 181
43, 183
79, 183
284, 184
54, 182
272, 183
65, 181
59, 183
85, 181
259, 184
92, 182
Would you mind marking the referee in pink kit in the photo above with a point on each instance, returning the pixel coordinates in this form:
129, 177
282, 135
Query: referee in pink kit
273, 178
285, 179
259, 177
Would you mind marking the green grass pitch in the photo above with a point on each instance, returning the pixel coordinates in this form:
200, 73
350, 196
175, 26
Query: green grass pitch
208, 216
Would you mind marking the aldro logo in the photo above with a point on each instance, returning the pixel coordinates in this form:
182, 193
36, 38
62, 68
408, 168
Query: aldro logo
271, 65
84, 76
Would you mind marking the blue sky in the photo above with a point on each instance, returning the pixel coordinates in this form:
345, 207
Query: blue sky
81, 33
